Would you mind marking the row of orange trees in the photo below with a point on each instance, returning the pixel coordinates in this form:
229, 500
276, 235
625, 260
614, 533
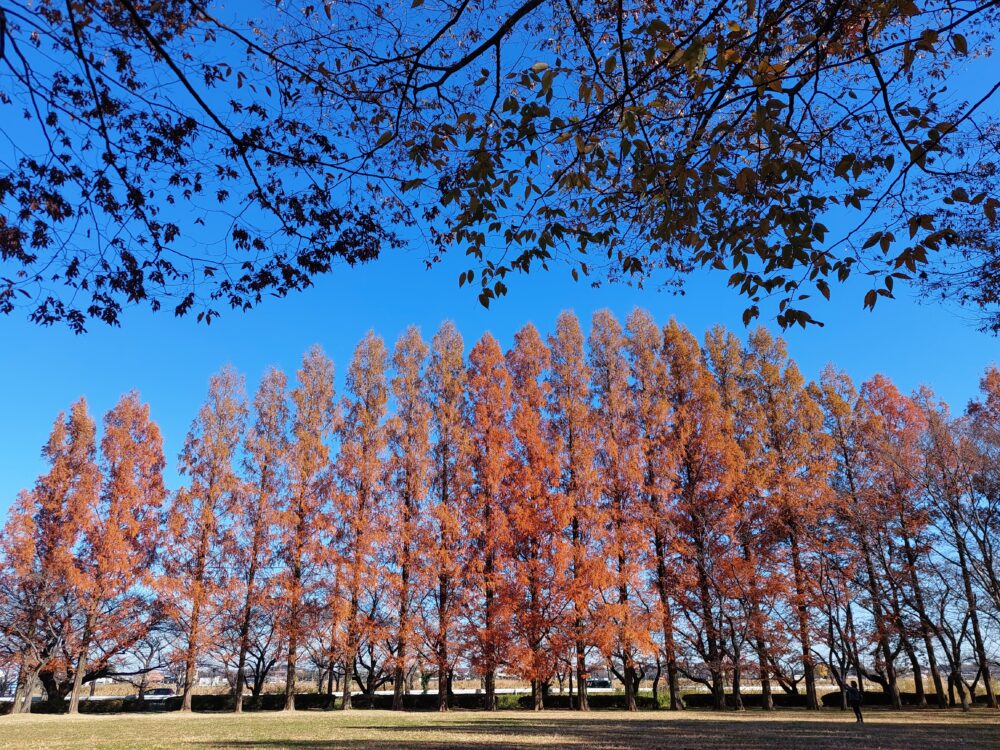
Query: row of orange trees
677, 510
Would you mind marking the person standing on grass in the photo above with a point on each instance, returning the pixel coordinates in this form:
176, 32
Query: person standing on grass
854, 698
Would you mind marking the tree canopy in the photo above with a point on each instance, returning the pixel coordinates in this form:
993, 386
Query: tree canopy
197, 156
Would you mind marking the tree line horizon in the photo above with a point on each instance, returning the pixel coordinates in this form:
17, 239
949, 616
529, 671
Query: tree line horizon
634, 497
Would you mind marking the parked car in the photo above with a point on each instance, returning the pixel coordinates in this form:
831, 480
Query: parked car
598, 682
161, 693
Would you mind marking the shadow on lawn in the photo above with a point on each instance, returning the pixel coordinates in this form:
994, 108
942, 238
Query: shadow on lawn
639, 734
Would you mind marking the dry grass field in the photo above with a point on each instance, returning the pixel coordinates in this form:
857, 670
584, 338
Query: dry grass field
364, 730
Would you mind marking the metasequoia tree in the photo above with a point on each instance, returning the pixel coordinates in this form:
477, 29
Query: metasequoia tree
197, 517
29, 600
301, 514
266, 448
485, 511
119, 542
360, 493
572, 427
538, 556
449, 479
651, 413
409, 467
43, 582
701, 516
619, 469
798, 451
676, 136
70, 494
761, 587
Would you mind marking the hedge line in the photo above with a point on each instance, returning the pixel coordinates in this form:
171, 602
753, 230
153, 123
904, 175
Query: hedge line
750, 700
466, 701
878, 698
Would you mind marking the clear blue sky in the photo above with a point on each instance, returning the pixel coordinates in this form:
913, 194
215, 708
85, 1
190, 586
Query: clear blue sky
169, 360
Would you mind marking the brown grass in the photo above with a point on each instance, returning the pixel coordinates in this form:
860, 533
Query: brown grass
361, 730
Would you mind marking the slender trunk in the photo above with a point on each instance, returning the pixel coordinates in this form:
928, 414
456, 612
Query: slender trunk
442, 644
977, 633
583, 704
490, 683
925, 623
935, 671
190, 662
491, 697
241, 679
351, 655
669, 647
198, 593
854, 653
404, 602
534, 596
444, 597
81, 665
805, 640
353, 637
918, 677
291, 666
711, 632
756, 630
623, 601
569, 678
766, 696
737, 678
875, 594
880, 625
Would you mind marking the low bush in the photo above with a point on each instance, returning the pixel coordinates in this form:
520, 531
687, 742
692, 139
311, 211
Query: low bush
750, 700
879, 698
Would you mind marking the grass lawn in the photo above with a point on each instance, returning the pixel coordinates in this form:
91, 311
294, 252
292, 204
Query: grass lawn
361, 730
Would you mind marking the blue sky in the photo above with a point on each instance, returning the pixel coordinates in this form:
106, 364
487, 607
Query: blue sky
169, 360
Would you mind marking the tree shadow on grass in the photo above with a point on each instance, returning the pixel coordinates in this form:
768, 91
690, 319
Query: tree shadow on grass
639, 734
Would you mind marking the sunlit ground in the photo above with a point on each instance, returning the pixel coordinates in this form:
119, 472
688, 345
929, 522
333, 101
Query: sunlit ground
361, 729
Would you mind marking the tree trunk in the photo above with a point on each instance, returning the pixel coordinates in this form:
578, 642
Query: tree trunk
977, 633
669, 648
918, 677
241, 679
925, 623
352, 644
191, 658
875, 593
737, 679
766, 696
404, 612
291, 665
805, 640
537, 695
81, 665
582, 702
490, 683
444, 602
711, 633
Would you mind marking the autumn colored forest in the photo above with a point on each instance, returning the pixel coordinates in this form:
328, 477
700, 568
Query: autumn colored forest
691, 512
